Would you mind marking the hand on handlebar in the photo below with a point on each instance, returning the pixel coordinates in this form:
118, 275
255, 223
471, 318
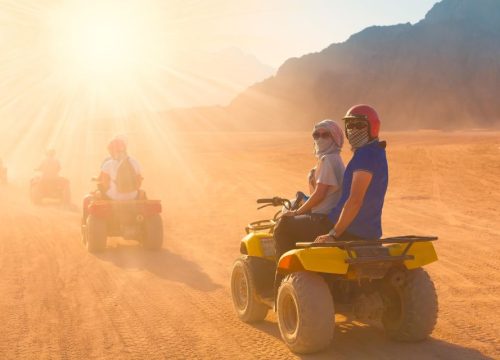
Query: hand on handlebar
289, 213
275, 201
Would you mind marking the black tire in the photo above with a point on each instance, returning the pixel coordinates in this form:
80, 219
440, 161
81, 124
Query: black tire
153, 233
306, 315
412, 308
96, 234
84, 234
244, 293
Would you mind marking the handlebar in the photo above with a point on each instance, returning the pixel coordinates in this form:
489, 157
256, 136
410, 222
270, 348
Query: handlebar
275, 201
264, 201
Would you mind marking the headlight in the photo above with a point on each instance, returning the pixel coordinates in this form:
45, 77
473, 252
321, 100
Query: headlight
267, 246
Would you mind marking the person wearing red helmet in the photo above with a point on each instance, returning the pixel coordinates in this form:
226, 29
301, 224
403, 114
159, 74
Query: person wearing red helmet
120, 177
358, 213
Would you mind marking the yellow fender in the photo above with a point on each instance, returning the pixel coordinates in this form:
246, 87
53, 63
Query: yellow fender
320, 259
259, 244
332, 260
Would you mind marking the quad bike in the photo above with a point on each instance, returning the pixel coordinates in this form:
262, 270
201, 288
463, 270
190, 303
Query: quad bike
57, 189
138, 220
379, 282
3, 175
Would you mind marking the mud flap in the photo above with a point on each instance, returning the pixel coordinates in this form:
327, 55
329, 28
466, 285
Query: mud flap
263, 271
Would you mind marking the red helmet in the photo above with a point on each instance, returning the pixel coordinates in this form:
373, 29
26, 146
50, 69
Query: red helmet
117, 145
367, 113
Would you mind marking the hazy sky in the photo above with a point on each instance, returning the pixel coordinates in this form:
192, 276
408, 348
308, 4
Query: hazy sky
274, 30
127, 55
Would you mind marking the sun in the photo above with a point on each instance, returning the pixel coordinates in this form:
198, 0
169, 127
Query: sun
103, 41
104, 44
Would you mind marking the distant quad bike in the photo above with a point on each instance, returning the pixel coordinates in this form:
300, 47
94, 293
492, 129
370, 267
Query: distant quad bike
375, 281
56, 189
3, 175
138, 220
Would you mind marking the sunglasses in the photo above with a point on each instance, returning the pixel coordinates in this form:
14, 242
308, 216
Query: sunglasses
317, 135
356, 125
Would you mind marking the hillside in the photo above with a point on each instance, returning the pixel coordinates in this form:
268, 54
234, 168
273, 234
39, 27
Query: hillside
442, 72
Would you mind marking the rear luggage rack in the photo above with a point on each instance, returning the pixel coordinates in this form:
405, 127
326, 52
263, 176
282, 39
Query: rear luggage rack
366, 252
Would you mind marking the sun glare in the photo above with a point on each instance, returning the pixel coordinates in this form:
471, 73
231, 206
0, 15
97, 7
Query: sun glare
100, 43
104, 44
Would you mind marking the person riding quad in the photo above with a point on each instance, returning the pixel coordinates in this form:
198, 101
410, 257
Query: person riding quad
49, 181
358, 214
120, 177
3, 173
50, 166
325, 182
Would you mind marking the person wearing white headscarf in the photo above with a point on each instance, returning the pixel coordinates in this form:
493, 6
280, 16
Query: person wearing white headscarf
325, 184
325, 179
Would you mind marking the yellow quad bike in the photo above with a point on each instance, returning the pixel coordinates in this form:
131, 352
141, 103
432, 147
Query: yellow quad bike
378, 282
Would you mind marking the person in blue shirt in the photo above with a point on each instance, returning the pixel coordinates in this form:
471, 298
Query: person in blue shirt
358, 213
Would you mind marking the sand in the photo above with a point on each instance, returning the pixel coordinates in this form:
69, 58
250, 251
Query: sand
59, 302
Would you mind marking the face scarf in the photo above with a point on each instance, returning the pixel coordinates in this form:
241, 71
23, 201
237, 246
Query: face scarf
357, 137
330, 145
323, 146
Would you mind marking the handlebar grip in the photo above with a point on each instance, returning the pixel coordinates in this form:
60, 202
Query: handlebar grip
264, 201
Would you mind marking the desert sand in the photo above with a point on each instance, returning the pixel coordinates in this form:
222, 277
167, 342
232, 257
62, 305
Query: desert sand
60, 302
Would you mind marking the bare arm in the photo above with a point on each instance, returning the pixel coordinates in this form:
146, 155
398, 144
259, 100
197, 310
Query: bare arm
312, 180
317, 197
360, 182
104, 181
139, 181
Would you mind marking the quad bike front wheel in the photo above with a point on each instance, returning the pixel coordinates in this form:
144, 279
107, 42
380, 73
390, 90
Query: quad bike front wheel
153, 232
95, 234
412, 307
306, 315
244, 293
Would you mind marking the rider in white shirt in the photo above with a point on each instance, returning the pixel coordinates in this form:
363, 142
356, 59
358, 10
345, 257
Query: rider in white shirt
120, 176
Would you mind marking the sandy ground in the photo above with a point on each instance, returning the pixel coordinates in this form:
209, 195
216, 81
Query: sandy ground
59, 302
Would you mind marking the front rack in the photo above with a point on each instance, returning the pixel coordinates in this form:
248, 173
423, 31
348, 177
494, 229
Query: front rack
260, 225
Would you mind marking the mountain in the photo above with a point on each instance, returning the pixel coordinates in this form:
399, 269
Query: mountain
442, 72
215, 78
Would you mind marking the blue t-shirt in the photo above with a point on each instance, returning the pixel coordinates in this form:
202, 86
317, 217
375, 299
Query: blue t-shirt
368, 223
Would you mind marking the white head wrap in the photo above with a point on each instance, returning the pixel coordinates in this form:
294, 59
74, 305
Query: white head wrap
336, 133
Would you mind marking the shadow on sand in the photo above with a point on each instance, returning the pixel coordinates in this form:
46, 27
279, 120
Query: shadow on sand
353, 341
162, 263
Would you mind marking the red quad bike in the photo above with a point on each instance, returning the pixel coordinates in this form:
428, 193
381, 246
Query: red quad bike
138, 220
50, 189
3, 175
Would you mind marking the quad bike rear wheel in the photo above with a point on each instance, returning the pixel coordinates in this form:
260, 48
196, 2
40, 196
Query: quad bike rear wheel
244, 293
153, 232
411, 311
95, 234
306, 315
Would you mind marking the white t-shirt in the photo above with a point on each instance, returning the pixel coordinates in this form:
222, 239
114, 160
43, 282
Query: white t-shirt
110, 167
329, 171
